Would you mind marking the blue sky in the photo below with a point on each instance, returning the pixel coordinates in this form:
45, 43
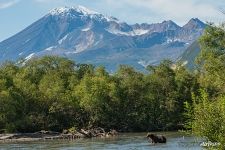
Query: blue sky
16, 15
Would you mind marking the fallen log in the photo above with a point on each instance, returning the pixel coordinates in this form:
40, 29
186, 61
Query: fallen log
46, 135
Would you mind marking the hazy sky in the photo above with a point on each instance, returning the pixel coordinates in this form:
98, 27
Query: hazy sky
16, 15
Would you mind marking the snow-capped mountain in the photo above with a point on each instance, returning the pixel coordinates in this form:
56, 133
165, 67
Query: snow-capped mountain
87, 36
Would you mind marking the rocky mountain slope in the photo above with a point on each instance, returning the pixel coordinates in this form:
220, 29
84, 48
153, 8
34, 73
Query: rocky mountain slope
87, 36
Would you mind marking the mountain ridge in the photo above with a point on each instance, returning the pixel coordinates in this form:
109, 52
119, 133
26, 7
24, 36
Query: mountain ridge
90, 37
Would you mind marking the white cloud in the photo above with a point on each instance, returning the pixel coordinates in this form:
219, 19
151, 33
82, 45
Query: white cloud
178, 10
6, 4
149, 11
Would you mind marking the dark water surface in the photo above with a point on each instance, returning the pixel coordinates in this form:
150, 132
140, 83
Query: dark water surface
126, 141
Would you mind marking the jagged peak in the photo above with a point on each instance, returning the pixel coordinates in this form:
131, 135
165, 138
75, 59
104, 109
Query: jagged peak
79, 9
194, 23
196, 20
170, 23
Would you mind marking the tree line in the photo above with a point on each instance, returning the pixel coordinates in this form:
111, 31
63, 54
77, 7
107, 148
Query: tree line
54, 93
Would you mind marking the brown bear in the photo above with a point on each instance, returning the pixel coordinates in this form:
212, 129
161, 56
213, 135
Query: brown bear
156, 138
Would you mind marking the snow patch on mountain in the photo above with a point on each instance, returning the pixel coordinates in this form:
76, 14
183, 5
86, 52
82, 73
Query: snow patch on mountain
85, 43
60, 10
169, 40
63, 39
29, 56
27, 40
71, 52
50, 48
135, 32
143, 63
86, 29
139, 32
80, 9
85, 10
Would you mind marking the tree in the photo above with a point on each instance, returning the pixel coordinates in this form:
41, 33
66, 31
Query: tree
187, 85
95, 97
162, 95
211, 59
209, 118
208, 112
131, 88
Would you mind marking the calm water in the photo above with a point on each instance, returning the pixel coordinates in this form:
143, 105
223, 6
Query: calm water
130, 141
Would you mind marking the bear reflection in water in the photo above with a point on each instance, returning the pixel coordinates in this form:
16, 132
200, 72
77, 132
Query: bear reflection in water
156, 138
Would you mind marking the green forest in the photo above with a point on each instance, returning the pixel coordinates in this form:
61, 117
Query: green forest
55, 93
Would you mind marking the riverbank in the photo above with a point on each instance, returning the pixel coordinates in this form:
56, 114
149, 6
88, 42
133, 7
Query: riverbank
50, 135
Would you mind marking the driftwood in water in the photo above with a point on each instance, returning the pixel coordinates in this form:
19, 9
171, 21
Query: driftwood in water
98, 132
44, 135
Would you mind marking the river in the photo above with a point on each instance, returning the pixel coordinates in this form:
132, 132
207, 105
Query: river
125, 141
